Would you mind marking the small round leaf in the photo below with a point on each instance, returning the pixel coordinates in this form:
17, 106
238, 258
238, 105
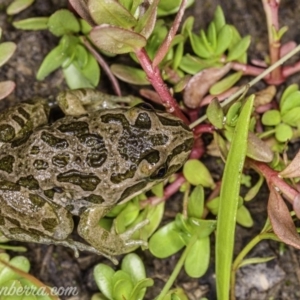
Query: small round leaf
196, 173
283, 132
63, 22
197, 261
166, 241
271, 117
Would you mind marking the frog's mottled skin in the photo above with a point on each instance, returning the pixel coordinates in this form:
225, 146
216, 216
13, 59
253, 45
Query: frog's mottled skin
81, 165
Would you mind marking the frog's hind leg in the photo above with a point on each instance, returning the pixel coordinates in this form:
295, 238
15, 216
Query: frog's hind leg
25, 216
28, 217
108, 243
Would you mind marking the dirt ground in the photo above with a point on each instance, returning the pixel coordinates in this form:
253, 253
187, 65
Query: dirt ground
57, 266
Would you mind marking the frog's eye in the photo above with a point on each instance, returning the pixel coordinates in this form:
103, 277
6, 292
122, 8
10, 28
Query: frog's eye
160, 173
145, 106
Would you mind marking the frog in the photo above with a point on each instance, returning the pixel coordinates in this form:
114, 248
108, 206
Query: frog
98, 155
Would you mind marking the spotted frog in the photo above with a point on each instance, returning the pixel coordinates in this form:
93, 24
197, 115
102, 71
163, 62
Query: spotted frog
82, 164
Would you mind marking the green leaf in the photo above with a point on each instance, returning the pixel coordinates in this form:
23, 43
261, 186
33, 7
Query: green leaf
243, 217
111, 12
191, 64
283, 132
51, 62
166, 241
239, 49
281, 32
229, 197
38, 23
19, 262
133, 265
206, 42
212, 35
223, 40
225, 83
63, 22
103, 275
187, 26
17, 6
122, 285
213, 205
196, 202
254, 189
85, 27
196, 173
91, 71
271, 117
127, 216
139, 289
233, 113
167, 7
7, 50
215, 113
292, 117
288, 91
255, 260
178, 55
154, 214
197, 261
116, 40
199, 227
219, 19
198, 46
75, 77
291, 101
158, 189
130, 74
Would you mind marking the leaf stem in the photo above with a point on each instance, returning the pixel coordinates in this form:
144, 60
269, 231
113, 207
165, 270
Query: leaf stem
177, 268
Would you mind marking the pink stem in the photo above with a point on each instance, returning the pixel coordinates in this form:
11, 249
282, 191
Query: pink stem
271, 10
273, 178
161, 88
165, 46
170, 190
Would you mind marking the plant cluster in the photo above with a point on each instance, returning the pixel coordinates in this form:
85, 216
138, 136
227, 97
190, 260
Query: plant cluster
253, 132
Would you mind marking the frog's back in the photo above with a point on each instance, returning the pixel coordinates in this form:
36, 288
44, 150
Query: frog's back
101, 157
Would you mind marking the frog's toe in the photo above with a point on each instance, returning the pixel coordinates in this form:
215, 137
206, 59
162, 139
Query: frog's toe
133, 243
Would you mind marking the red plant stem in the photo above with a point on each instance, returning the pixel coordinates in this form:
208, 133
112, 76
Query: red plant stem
247, 69
273, 179
170, 190
198, 149
290, 70
165, 46
154, 76
271, 10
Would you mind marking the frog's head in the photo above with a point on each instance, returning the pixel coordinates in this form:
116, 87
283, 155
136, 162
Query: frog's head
153, 145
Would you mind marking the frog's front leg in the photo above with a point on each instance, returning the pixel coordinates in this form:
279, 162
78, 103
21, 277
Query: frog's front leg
79, 102
109, 243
